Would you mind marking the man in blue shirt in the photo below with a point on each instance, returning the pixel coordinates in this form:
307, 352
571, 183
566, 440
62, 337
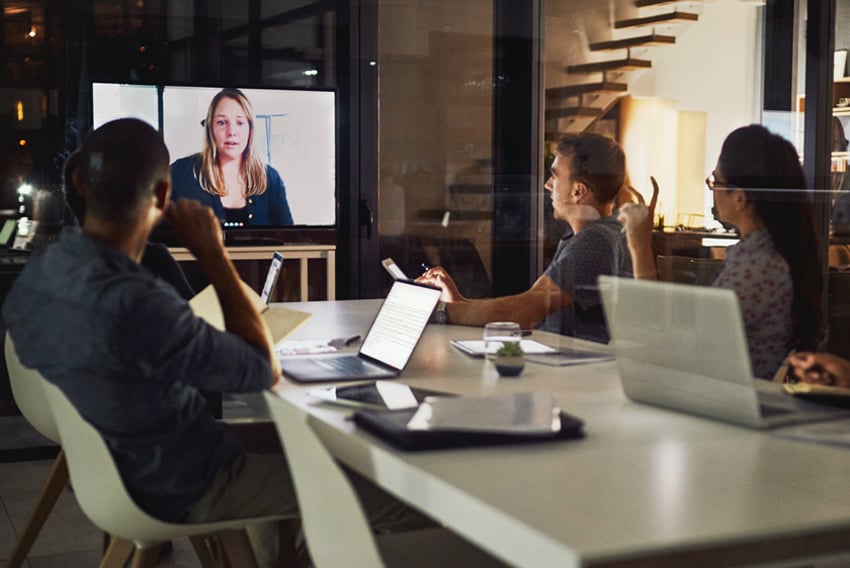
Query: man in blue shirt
586, 176
130, 354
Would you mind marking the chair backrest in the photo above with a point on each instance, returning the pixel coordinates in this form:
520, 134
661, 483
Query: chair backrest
337, 531
838, 314
97, 484
687, 270
706, 270
675, 269
29, 395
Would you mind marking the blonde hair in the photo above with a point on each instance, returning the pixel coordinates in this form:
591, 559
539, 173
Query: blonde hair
253, 168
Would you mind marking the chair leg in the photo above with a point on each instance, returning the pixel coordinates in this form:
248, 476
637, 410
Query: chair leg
146, 557
205, 548
117, 553
56, 481
237, 548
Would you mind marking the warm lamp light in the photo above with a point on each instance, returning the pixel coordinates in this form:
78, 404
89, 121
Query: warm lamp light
19, 110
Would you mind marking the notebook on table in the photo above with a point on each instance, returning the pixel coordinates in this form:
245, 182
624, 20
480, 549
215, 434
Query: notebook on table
387, 347
458, 422
282, 321
683, 347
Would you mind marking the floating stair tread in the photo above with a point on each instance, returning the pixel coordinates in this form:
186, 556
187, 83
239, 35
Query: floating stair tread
645, 3
622, 64
572, 111
667, 18
637, 41
587, 88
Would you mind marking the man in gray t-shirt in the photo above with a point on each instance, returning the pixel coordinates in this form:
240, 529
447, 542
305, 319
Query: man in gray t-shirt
587, 174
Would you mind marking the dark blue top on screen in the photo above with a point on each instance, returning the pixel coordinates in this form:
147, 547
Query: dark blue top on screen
269, 209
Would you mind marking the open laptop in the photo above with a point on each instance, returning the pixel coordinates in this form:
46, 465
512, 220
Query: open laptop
271, 277
387, 346
683, 347
7, 232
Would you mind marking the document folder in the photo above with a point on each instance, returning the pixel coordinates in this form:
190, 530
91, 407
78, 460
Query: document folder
408, 430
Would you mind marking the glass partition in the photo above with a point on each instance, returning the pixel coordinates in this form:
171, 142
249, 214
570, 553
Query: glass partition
435, 138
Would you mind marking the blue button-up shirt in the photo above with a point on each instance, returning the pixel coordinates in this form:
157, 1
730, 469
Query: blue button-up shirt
130, 355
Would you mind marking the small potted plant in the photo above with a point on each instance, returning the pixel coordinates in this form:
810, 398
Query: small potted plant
509, 359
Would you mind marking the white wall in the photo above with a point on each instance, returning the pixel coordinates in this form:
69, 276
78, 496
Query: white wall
713, 68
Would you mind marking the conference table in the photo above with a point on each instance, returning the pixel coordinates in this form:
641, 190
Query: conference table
645, 487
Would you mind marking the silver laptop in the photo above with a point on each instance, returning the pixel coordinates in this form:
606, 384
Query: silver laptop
387, 346
683, 347
272, 276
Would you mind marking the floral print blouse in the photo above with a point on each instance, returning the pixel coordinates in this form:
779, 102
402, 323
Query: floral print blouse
762, 280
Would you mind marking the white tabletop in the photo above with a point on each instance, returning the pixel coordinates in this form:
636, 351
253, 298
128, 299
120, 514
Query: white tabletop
646, 486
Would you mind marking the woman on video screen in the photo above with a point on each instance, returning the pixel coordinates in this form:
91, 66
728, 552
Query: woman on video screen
228, 175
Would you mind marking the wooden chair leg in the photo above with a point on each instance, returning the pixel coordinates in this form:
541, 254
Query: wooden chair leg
202, 546
118, 553
56, 481
288, 531
237, 549
146, 557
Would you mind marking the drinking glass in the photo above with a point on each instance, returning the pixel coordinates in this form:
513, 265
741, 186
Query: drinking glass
497, 332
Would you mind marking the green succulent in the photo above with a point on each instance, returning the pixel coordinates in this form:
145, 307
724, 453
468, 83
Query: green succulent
509, 349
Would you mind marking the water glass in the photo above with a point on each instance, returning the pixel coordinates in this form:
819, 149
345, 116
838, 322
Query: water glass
496, 333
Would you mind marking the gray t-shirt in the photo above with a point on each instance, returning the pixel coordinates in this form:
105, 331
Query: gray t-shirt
599, 248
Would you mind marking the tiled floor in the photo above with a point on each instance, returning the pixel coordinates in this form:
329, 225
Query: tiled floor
68, 539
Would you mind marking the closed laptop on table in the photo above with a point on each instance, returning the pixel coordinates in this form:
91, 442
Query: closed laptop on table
683, 347
387, 346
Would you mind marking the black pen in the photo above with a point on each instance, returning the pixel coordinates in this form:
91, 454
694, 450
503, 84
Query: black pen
351, 339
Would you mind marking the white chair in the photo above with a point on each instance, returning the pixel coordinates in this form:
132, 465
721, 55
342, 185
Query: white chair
29, 396
334, 523
105, 501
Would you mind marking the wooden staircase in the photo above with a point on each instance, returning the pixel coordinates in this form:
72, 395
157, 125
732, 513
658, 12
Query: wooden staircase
575, 107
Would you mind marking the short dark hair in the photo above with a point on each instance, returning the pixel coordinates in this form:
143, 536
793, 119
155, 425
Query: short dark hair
597, 161
121, 164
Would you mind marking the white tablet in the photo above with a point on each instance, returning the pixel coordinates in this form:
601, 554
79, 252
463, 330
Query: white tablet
375, 394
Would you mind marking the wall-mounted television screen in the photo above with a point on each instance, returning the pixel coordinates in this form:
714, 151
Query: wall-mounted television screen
261, 158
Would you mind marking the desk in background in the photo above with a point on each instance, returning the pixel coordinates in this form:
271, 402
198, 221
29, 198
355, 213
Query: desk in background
301, 252
694, 244
646, 487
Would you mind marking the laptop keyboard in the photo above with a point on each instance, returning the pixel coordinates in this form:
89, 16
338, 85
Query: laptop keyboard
354, 366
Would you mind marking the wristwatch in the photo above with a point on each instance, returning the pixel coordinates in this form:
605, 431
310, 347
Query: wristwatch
440, 315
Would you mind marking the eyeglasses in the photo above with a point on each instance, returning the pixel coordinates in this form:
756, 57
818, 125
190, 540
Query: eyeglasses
711, 183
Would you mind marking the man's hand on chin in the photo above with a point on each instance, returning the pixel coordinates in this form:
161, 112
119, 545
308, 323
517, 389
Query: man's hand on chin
196, 226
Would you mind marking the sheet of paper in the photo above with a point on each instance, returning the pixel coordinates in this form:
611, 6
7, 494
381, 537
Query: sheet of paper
476, 347
567, 356
281, 321
303, 347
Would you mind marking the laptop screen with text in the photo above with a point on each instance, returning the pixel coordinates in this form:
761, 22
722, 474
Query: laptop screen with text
396, 330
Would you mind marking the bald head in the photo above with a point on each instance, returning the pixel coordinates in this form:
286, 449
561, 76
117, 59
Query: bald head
120, 166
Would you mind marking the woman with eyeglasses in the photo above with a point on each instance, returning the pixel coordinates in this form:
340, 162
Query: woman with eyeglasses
228, 175
759, 188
